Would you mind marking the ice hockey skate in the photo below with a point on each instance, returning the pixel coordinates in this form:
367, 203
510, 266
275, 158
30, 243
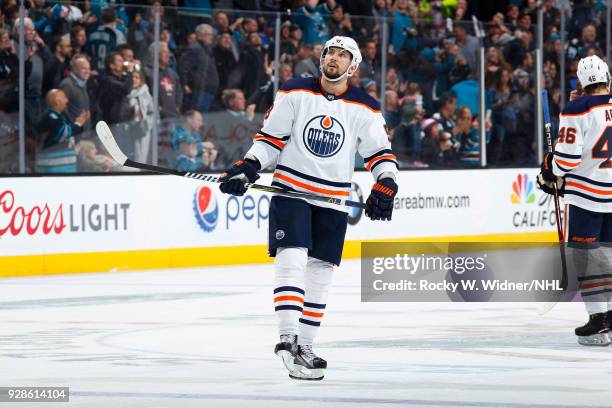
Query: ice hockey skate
595, 332
286, 349
307, 365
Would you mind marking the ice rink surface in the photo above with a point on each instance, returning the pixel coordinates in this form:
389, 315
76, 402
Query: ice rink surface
204, 337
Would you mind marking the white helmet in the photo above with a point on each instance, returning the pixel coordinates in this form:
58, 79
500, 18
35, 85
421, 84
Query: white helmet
346, 43
593, 70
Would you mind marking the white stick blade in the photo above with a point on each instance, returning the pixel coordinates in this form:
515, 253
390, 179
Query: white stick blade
106, 137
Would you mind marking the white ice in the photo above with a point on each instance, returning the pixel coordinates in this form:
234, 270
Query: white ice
203, 337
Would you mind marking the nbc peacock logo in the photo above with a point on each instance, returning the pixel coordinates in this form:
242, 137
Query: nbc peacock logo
523, 191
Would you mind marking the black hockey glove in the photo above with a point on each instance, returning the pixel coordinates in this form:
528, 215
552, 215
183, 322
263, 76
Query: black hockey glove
379, 205
546, 179
234, 179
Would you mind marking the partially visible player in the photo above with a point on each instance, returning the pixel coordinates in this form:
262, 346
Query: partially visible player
581, 165
311, 134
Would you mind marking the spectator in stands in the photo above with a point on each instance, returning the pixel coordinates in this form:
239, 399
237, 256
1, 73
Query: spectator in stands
167, 37
408, 133
170, 89
370, 66
126, 52
308, 65
512, 15
9, 74
524, 22
312, 18
379, 10
588, 40
526, 68
515, 50
495, 61
461, 11
192, 126
76, 89
234, 127
122, 20
468, 46
169, 102
467, 92
78, 40
137, 36
190, 131
404, 33
244, 28
141, 103
254, 63
221, 23
451, 130
57, 132
524, 104
469, 151
90, 160
504, 115
37, 53
58, 66
436, 144
369, 86
443, 64
190, 160
290, 47
115, 86
104, 39
226, 61
264, 96
198, 71
340, 23
459, 72
392, 112
393, 80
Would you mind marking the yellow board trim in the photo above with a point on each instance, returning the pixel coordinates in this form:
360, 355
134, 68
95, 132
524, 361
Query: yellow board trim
49, 264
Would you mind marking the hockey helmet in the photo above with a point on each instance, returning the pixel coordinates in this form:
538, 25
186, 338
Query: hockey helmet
593, 70
346, 43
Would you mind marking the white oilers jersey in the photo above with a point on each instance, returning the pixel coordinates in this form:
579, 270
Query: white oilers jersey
313, 137
583, 153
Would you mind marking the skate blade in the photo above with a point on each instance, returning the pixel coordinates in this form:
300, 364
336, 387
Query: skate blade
599, 339
303, 373
287, 359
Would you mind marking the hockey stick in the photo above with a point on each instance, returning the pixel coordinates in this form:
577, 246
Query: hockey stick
108, 140
546, 307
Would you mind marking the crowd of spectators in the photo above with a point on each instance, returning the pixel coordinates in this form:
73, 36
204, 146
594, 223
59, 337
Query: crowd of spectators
217, 65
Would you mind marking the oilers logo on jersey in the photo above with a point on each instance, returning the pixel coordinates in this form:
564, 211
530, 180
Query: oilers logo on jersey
311, 137
324, 136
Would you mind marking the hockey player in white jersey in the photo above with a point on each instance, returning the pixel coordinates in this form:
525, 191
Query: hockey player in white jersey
310, 136
581, 166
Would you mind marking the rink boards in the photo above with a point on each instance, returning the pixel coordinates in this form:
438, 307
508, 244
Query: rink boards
87, 224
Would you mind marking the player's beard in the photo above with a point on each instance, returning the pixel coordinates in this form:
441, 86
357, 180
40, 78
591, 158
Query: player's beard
336, 74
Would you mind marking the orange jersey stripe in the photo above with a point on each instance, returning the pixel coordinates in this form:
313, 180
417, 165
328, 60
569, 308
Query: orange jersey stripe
584, 113
591, 285
343, 100
374, 160
587, 188
291, 298
300, 90
313, 314
271, 140
566, 164
309, 187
